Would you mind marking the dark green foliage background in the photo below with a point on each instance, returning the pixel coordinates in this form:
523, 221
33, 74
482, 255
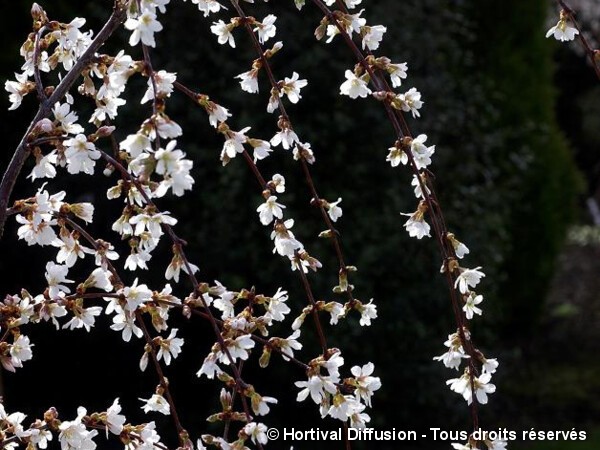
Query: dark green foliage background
503, 171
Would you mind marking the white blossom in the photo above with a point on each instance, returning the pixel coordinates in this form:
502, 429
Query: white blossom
170, 347
257, 432
468, 278
269, 210
291, 87
373, 36
410, 101
333, 210
562, 31
365, 384
420, 152
156, 403
223, 33
114, 419
470, 308
266, 29
55, 275
354, 86
143, 28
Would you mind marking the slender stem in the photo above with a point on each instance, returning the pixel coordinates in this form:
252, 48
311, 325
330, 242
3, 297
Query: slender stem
433, 206
305, 168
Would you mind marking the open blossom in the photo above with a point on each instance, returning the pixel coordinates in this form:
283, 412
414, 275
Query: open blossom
74, 434
410, 101
167, 158
83, 318
354, 86
562, 31
100, 278
21, 351
270, 209
343, 407
471, 303
452, 358
365, 384
396, 156
170, 346
176, 265
421, 153
70, 249
468, 278
166, 127
260, 404
55, 275
163, 81
317, 386
67, 118
289, 344
455, 354
207, 6
333, 210
234, 143
81, 155
135, 294
249, 81
114, 419
152, 223
278, 182
285, 242
397, 73
372, 36
223, 33
124, 321
353, 24
490, 365
266, 29
209, 367
367, 312
136, 144
416, 225
292, 86
277, 308
349, 3
156, 403
45, 166
481, 384
286, 137
143, 28
18, 89
216, 113
238, 348
257, 432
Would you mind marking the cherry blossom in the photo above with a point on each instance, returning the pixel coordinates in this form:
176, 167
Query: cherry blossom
354, 86
143, 28
562, 31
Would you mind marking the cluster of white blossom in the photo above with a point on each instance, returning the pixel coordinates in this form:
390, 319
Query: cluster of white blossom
78, 433
150, 166
416, 154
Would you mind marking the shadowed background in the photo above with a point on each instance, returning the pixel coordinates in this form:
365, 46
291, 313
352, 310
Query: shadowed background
505, 173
